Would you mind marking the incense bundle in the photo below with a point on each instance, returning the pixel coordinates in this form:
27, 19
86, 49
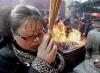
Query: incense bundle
54, 7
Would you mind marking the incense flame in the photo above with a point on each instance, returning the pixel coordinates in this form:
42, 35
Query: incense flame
74, 36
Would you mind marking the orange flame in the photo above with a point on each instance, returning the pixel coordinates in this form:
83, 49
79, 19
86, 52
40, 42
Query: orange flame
60, 35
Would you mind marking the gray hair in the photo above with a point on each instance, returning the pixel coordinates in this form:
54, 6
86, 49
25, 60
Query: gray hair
22, 12
93, 41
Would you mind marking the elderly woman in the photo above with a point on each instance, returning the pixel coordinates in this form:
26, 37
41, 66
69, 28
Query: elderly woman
92, 61
30, 51
93, 42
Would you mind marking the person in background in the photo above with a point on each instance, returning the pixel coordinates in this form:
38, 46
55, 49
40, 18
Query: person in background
88, 27
29, 50
4, 28
91, 64
81, 26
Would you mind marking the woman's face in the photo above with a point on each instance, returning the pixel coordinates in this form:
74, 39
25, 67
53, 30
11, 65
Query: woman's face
29, 35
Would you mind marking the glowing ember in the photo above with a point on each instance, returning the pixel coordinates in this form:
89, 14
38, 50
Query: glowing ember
71, 38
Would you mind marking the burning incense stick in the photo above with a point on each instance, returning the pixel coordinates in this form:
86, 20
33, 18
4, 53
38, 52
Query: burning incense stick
54, 6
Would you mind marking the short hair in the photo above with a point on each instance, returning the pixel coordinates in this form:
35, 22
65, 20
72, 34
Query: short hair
24, 12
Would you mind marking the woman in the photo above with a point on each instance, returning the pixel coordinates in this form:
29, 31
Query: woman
4, 28
28, 51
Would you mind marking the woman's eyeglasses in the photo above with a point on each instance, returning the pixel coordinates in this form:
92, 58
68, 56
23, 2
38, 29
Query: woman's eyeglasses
32, 37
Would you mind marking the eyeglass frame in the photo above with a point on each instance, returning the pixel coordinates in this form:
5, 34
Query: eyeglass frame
31, 37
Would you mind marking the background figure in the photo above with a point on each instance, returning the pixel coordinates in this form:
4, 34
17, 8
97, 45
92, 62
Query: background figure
5, 34
92, 53
93, 41
67, 22
81, 26
88, 27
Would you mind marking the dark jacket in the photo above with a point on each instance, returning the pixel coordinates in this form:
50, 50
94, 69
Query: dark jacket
9, 63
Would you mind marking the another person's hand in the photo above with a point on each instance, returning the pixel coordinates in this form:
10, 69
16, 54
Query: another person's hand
47, 50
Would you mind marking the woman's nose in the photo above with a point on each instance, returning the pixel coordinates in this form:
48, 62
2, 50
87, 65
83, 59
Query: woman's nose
37, 39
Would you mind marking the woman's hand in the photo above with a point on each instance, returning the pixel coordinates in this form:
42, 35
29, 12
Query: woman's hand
47, 50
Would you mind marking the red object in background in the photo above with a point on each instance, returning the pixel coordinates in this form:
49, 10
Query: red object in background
95, 14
